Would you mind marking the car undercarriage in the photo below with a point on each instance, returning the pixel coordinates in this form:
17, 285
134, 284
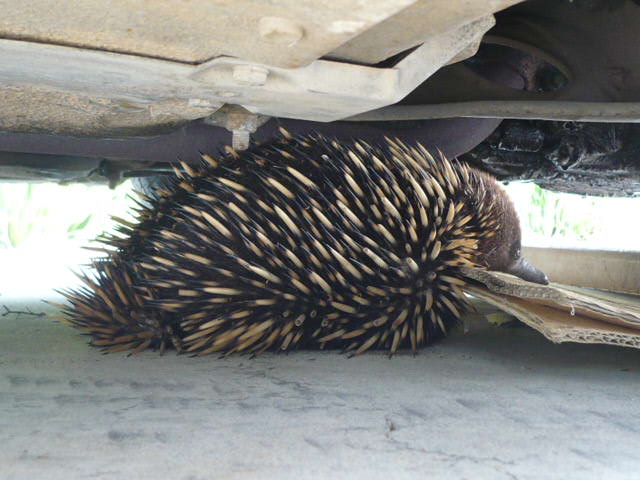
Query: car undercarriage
540, 90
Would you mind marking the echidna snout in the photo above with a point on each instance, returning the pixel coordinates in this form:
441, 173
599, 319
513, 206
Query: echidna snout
523, 269
303, 242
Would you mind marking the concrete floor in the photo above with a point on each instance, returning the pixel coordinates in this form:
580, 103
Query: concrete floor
495, 403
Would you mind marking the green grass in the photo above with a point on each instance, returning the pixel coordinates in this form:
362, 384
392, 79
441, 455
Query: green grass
566, 220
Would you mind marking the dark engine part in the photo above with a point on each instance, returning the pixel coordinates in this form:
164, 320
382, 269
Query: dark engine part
560, 60
586, 158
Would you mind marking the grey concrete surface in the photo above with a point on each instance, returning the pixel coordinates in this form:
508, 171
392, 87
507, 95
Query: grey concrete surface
494, 403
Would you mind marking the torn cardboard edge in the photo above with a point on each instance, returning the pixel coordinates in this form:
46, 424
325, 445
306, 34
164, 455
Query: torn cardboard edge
561, 313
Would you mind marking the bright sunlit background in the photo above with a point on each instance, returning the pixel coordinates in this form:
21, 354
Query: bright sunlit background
566, 220
43, 227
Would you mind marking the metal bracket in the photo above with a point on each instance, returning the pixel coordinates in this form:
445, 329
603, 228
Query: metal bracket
240, 122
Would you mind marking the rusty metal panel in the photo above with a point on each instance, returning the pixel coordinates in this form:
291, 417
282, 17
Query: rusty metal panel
285, 33
63, 89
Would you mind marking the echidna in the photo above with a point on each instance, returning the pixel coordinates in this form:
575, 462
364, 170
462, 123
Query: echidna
302, 242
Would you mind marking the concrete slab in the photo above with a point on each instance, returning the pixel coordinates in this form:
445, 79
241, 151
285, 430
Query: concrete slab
495, 403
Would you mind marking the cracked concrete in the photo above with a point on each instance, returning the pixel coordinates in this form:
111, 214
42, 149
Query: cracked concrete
495, 403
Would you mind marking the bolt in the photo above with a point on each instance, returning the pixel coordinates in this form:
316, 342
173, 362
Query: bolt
550, 79
250, 75
280, 30
240, 139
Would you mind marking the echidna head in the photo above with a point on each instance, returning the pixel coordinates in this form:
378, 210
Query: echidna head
507, 257
503, 251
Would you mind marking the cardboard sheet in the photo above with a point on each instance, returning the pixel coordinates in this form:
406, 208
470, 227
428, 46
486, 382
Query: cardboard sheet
562, 313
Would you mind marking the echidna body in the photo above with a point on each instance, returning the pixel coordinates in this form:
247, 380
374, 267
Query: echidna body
303, 242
